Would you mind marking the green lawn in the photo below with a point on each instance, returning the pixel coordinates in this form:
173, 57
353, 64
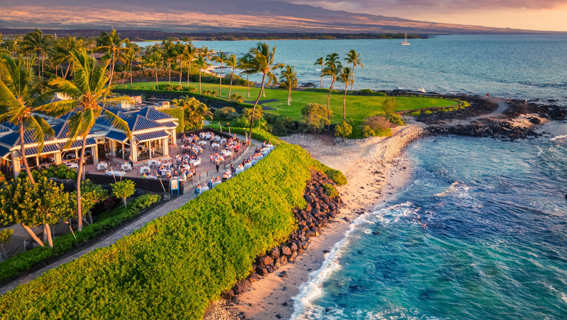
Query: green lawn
357, 107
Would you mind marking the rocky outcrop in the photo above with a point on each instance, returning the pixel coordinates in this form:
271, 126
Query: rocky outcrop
487, 128
320, 209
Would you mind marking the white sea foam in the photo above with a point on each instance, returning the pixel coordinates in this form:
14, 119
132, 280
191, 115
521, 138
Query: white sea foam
559, 137
312, 289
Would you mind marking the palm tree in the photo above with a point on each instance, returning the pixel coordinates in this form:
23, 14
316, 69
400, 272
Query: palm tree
288, 80
332, 68
113, 45
152, 59
345, 77
354, 58
201, 63
90, 44
36, 41
131, 57
19, 97
189, 56
63, 51
261, 60
180, 54
89, 97
233, 63
243, 65
220, 57
319, 62
169, 54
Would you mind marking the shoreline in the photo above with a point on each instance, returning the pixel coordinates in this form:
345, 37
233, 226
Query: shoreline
376, 170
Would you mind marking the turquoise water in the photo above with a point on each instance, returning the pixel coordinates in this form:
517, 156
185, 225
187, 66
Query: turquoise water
519, 66
480, 233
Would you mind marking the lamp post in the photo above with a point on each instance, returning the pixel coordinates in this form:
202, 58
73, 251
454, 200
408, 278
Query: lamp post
220, 127
228, 124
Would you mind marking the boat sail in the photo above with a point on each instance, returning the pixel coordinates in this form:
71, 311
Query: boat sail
406, 43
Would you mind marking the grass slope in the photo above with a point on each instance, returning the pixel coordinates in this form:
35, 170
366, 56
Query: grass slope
357, 107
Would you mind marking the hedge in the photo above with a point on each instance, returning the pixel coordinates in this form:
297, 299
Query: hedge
179, 113
61, 245
175, 265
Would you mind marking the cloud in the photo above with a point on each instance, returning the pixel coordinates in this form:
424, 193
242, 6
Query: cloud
361, 5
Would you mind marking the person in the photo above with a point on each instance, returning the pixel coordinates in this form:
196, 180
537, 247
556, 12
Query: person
218, 162
144, 175
232, 169
210, 183
131, 161
198, 190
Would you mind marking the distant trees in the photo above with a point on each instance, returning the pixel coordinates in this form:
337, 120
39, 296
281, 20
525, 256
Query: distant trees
113, 46
320, 62
221, 58
201, 63
354, 58
231, 62
345, 77
288, 80
36, 41
333, 68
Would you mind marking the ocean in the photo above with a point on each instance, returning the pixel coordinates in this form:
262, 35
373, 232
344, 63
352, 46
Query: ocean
517, 66
479, 233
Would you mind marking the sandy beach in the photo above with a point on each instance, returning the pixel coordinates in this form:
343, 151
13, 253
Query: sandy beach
376, 169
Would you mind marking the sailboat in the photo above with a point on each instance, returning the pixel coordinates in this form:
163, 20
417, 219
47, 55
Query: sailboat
406, 43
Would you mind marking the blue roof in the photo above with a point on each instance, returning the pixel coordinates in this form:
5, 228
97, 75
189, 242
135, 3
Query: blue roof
10, 125
4, 151
151, 136
79, 144
13, 139
137, 122
117, 136
47, 148
169, 124
153, 114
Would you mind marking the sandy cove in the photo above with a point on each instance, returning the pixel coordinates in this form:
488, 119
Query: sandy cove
375, 169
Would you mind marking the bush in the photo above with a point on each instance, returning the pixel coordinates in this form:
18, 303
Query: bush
280, 125
415, 113
178, 113
61, 172
368, 132
226, 113
335, 175
174, 266
428, 112
343, 130
396, 119
236, 97
61, 245
389, 106
330, 191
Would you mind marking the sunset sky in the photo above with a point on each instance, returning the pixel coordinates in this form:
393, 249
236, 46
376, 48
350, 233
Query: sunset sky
548, 15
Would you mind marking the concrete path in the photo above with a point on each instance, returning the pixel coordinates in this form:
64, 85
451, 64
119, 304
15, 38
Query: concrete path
111, 238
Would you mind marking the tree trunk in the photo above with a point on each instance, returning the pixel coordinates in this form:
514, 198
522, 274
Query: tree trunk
110, 82
131, 80
169, 67
32, 234
67, 71
352, 83
42, 62
124, 202
254, 109
200, 81
344, 102
188, 73
220, 81
23, 152
248, 84
180, 72
329, 103
49, 238
79, 177
157, 81
289, 97
321, 86
230, 87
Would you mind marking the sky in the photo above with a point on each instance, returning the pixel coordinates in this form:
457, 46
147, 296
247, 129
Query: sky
548, 15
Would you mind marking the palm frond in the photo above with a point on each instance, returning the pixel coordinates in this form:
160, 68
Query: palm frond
118, 123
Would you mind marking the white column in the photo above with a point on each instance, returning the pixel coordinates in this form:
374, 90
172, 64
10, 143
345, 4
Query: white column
58, 158
134, 150
94, 152
165, 147
174, 137
16, 164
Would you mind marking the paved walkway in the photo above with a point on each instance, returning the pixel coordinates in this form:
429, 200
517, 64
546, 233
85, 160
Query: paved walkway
110, 239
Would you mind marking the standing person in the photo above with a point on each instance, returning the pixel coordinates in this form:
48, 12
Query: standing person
218, 162
131, 161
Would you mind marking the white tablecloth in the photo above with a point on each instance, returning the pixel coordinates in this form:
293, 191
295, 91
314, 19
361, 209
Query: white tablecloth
239, 171
195, 162
102, 166
265, 153
215, 145
115, 173
73, 165
247, 165
202, 143
217, 138
144, 169
152, 163
216, 183
226, 153
126, 166
223, 140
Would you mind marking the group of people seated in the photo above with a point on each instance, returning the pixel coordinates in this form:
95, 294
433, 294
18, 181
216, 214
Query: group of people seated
191, 138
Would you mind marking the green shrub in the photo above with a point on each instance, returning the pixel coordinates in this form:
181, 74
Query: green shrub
236, 97
335, 175
389, 106
226, 113
368, 132
178, 113
123, 189
415, 113
330, 191
396, 119
174, 266
466, 104
61, 245
343, 130
428, 112
280, 125
61, 172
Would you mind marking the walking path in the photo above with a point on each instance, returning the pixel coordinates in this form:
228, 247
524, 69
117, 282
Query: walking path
111, 238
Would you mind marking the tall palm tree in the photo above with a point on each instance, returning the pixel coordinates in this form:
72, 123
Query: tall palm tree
332, 68
152, 58
169, 54
20, 99
90, 44
36, 41
180, 54
320, 62
261, 60
113, 46
131, 57
345, 77
189, 55
233, 63
206, 53
63, 51
89, 97
288, 80
221, 58
354, 58
201, 63
243, 65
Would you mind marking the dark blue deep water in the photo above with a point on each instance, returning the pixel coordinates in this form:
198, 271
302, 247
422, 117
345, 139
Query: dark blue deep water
480, 233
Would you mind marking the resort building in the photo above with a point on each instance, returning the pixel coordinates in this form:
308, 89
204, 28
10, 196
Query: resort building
153, 131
